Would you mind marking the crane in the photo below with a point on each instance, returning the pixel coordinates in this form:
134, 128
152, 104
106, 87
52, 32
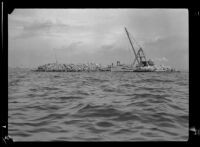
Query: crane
139, 56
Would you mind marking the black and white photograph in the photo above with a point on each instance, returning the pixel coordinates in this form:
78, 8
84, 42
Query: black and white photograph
98, 74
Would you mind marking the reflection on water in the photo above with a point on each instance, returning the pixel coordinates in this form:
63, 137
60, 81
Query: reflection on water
97, 106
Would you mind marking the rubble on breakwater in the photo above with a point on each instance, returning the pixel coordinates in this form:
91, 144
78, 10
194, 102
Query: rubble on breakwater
92, 67
155, 68
55, 67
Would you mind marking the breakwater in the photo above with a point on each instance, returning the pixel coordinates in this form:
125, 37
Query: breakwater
55, 67
93, 67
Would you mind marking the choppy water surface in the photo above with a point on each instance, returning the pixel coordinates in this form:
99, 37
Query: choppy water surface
97, 106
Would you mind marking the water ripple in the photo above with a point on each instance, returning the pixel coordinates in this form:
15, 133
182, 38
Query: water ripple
97, 106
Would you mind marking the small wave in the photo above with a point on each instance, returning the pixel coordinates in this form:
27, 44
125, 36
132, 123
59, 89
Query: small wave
22, 134
162, 118
22, 76
183, 119
109, 89
14, 82
89, 107
69, 97
112, 90
125, 131
156, 80
34, 124
140, 104
18, 113
148, 95
156, 119
12, 129
43, 107
77, 106
176, 107
138, 139
79, 92
50, 88
153, 110
31, 95
166, 124
33, 89
128, 85
95, 80
97, 111
52, 117
149, 134
49, 130
165, 131
149, 88
70, 122
13, 102
96, 131
56, 76
126, 117
61, 139
104, 124
139, 127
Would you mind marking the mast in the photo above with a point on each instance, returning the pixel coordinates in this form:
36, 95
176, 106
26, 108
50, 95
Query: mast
55, 56
132, 45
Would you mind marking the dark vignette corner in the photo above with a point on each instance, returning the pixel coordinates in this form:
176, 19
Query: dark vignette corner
5, 9
194, 122
194, 24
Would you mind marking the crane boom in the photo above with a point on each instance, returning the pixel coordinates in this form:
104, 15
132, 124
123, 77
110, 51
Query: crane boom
132, 45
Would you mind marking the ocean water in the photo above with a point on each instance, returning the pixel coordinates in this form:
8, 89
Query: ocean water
98, 106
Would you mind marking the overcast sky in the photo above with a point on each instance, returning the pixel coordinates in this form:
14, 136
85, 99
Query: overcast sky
36, 36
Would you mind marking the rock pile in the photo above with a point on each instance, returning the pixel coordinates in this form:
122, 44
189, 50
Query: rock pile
55, 67
155, 68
